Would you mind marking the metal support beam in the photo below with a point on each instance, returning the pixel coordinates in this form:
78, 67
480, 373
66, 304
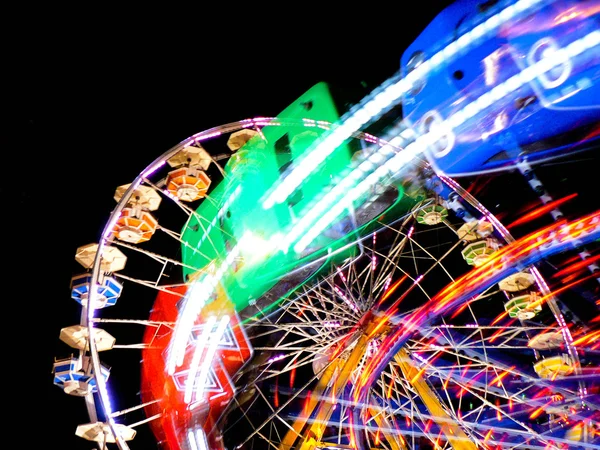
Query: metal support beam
454, 434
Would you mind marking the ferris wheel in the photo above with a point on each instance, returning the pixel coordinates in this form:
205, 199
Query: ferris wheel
283, 369
279, 286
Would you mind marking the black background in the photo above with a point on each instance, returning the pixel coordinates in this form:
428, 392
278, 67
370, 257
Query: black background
92, 96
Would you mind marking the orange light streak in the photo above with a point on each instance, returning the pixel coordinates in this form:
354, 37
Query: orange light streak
542, 299
494, 336
333, 390
539, 410
499, 378
380, 322
391, 290
488, 435
392, 382
459, 310
352, 431
576, 266
395, 305
417, 376
306, 403
499, 318
437, 440
447, 380
464, 371
587, 338
388, 394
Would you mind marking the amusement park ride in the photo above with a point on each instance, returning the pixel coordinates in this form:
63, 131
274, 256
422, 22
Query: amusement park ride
330, 279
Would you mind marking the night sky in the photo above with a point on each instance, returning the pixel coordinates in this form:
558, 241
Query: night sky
93, 96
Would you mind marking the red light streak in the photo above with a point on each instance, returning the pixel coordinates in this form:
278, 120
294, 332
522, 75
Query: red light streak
543, 393
293, 374
541, 210
494, 336
576, 266
562, 289
427, 426
459, 310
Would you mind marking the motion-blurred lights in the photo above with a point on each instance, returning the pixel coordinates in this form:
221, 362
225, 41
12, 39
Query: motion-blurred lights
547, 48
388, 96
254, 247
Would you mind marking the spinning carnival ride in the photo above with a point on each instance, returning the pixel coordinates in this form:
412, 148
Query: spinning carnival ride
304, 282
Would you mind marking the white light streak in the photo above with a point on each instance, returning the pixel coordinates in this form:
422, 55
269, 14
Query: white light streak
329, 208
388, 96
197, 358
207, 361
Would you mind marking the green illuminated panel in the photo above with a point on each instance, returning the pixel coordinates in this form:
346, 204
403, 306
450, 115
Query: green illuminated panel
233, 217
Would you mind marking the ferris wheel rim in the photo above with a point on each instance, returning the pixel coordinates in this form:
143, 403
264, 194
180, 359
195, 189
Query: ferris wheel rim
107, 241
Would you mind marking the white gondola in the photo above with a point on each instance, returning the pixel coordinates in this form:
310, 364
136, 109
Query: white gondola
101, 432
143, 197
112, 260
77, 336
